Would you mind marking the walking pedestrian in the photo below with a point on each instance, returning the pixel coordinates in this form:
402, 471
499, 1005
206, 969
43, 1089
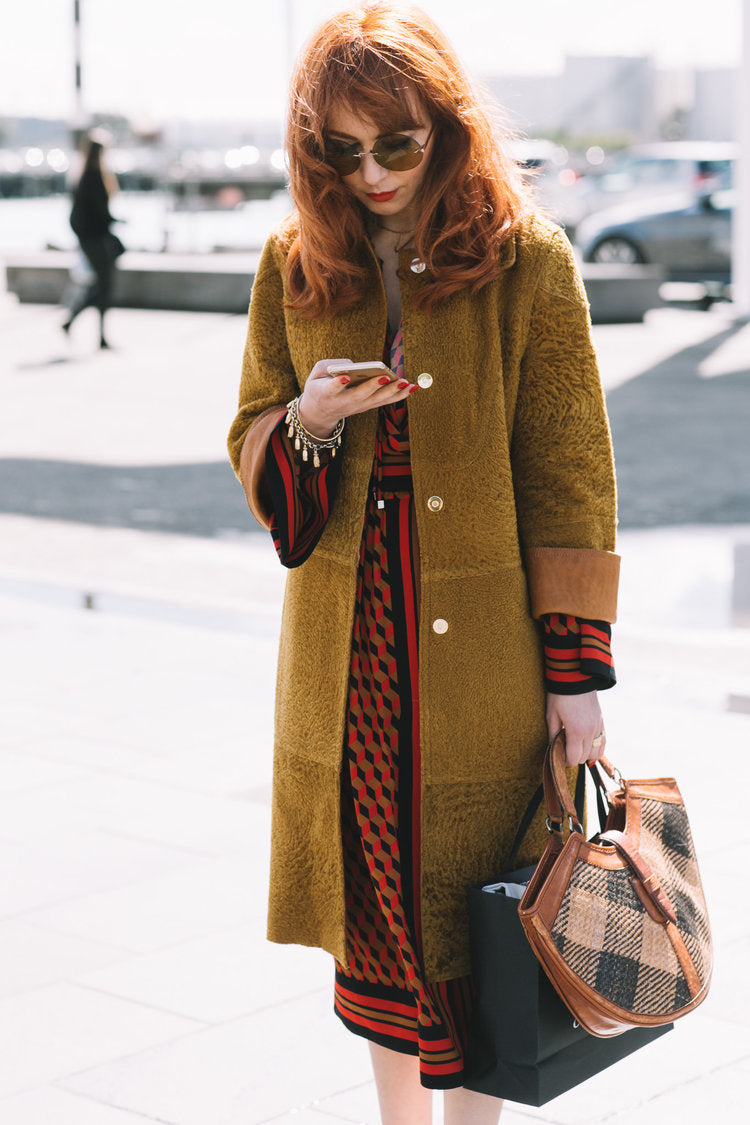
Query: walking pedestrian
448, 524
91, 220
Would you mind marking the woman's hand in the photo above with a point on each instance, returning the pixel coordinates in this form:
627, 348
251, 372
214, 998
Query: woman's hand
584, 726
327, 398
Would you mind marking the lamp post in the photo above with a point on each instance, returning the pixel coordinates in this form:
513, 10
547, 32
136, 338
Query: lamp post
79, 119
741, 223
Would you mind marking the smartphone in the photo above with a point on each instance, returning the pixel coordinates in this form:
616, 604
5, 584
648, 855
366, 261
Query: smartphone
359, 372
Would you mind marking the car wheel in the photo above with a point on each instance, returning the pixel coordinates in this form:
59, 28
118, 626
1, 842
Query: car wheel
617, 251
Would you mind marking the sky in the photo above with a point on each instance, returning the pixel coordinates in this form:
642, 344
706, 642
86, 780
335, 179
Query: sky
157, 60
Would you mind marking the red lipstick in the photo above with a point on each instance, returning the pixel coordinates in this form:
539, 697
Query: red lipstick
381, 196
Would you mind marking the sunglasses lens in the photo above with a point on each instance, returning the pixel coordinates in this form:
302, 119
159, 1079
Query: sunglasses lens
398, 152
344, 158
344, 165
395, 151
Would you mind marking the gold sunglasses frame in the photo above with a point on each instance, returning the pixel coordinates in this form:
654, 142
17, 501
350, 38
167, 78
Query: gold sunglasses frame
419, 151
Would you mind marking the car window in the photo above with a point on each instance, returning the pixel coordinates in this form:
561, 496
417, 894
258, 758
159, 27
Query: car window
661, 171
641, 172
719, 172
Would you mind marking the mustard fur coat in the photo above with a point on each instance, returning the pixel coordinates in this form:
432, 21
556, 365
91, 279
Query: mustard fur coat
513, 436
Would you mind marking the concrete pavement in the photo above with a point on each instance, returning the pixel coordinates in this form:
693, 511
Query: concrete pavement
138, 621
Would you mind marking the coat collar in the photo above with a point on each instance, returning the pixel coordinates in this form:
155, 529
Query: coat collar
506, 255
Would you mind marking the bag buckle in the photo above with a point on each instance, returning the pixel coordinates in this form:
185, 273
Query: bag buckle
555, 826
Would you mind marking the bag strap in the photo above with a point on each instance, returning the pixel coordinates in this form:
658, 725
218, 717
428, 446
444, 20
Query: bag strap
526, 819
602, 794
648, 880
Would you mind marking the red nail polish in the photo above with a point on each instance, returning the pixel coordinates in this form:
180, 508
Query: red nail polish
384, 380
413, 389
403, 384
345, 380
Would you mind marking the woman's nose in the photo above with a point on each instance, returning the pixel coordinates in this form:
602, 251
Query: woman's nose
372, 172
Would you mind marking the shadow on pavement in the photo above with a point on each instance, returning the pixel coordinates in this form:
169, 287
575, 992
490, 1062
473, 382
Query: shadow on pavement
681, 447
43, 364
202, 499
681, 441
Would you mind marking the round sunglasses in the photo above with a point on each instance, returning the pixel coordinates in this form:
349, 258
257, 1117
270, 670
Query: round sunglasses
394, 151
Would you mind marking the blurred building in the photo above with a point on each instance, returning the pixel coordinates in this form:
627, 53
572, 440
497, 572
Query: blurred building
607, 101
713, 114
623, 97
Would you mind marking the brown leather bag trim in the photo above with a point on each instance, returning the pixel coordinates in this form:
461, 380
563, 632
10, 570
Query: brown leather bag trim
556, 883
648, 904
686, 961
594, 1012
655, 789
644, 875
576, 996
556, 791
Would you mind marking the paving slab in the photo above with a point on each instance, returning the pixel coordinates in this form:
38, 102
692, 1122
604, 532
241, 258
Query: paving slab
163, 910
63, 1108
264, 1065
55, 1031
32, 956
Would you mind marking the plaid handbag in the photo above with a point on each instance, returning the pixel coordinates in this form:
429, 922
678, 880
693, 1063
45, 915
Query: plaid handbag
619, 923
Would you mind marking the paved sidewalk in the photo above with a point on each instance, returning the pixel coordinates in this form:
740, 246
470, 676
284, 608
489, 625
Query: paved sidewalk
135, 730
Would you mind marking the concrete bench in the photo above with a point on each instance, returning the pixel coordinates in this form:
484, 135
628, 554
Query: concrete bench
622, 294
222, 282
189, 282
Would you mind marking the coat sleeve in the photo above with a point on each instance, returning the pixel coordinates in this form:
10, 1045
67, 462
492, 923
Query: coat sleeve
563, 471
267, 384
290, 498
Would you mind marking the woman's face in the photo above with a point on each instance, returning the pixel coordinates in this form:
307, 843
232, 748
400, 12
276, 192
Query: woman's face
392, 196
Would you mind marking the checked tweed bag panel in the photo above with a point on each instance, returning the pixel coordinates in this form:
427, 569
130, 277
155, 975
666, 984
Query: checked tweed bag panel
605, 936
667, 845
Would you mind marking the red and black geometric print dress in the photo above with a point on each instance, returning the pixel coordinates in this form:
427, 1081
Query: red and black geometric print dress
381, 992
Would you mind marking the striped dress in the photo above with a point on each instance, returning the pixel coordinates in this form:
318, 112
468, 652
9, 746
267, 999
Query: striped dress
381, 992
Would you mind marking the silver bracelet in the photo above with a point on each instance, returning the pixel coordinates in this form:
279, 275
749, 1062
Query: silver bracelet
306, 441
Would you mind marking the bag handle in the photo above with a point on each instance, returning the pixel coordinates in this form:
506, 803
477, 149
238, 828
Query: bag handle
559, 803
556, 790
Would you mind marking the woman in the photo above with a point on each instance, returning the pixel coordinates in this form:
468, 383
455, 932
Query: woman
91, 220
444, 530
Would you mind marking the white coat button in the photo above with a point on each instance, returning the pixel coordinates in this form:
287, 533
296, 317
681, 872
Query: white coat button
435, 503
440, 625
424, 380
417, 266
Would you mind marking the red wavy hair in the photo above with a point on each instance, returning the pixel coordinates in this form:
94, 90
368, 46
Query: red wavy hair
385, 63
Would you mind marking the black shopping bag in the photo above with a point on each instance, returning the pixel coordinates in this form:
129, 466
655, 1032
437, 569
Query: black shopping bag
523, 1042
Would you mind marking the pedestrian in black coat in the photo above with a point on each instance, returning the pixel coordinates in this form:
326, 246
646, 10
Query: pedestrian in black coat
91, 220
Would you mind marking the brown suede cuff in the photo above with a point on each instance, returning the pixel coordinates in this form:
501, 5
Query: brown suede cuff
253, 463
573, 580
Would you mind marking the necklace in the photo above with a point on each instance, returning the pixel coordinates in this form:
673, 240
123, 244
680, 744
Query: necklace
390, 230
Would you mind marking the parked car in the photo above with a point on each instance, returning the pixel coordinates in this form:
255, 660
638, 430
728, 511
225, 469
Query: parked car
690, 236
651, 171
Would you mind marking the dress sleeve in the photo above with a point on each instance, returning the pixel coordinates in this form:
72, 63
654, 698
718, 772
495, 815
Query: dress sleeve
577, 655
563, 472
300, 496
